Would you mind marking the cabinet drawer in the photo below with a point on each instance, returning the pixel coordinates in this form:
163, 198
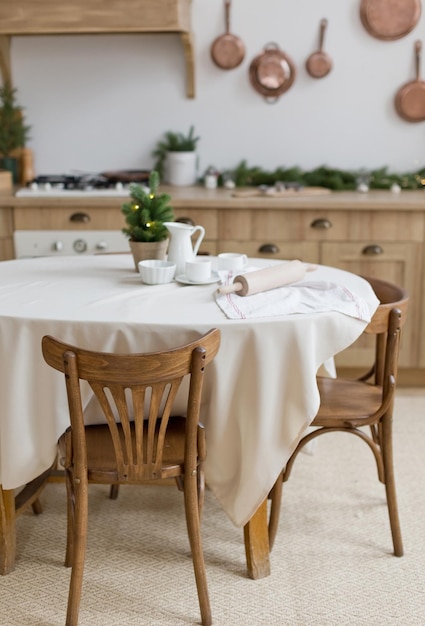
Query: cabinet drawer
72, 218
270, 225
206, 218
397, 263
288, 250
6, 223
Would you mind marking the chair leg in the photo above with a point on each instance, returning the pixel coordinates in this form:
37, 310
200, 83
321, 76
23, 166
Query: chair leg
194, 532
113, 492
275, 497
200, 485
70, 514
390, 490
79, 553
36, 507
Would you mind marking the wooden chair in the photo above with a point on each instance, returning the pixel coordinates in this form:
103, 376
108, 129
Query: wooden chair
140, 441
349, 405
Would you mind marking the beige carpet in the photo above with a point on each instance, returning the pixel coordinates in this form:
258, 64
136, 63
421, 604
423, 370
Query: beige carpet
332, 563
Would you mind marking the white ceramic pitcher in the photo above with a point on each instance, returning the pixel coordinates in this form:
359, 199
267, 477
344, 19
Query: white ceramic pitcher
180, 248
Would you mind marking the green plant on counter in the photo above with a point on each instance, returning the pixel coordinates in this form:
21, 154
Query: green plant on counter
147, 211
14, 133
338, 180
174, 142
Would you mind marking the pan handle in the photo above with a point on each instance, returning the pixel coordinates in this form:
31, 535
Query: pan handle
227, 15
418, 50
323, 26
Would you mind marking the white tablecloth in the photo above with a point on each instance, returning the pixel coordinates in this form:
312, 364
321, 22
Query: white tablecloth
260, 393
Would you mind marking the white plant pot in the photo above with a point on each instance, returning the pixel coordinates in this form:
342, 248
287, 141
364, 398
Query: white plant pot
180, 168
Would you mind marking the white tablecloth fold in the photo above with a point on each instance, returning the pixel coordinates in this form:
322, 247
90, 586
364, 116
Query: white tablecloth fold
301, 297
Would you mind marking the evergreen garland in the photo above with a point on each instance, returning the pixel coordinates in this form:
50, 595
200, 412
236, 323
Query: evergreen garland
338, 180
146, 212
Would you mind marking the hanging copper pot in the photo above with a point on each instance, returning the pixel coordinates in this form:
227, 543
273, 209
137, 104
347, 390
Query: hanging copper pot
272, 72
389, 19
228, 50
319, 64
410, 98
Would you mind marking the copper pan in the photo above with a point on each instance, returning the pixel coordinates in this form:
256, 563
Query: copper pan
227, 51
389, 19
319, 64
410, 98
127, 176
272, 72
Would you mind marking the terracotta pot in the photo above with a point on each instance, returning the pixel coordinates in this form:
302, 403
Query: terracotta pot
12, 165
142, 250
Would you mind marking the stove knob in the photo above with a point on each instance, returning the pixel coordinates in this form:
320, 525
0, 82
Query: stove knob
80, 245
102, 245
34, 186
119, 186
58, 246
46, 186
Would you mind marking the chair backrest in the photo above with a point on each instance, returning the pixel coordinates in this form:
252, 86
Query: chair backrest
386, 324
137, 391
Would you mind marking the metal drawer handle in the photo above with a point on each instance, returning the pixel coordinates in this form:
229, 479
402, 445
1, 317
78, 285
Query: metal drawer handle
322, 223
185, 220
80, 217
372, 250
269, 248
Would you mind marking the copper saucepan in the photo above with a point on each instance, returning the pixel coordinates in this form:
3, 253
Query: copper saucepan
319, 64
272, 72
410, 98
389, 19
227, 51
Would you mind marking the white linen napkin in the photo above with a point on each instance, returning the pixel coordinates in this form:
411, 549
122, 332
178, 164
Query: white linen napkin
301, 297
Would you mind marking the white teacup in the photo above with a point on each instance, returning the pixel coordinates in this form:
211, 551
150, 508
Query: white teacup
198, 270
232, 261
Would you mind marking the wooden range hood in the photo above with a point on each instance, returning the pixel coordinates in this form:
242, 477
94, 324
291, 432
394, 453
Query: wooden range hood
70, 17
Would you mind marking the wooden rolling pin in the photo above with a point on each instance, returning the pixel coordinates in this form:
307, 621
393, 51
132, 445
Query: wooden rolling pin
268, 278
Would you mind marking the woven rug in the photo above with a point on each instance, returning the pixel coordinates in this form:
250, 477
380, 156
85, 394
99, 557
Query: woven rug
332, 563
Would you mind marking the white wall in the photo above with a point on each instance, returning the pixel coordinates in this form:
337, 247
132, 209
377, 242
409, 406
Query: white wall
103, 102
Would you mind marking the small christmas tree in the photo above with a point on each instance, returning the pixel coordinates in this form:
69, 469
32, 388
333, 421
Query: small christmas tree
13, 131
147, 211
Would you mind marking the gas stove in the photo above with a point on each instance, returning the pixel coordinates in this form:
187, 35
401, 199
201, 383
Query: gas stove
103, 184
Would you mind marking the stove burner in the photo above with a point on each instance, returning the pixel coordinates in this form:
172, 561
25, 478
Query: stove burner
104, 180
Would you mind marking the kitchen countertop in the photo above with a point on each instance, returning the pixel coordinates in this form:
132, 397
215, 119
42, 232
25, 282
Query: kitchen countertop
199, 197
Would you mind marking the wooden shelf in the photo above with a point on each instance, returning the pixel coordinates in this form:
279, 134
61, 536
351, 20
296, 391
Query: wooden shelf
73, 17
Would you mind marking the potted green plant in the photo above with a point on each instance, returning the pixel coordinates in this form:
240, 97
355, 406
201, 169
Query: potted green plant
14, 133
145, 214
176, 158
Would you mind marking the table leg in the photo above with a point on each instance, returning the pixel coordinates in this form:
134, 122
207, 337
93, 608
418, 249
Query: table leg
7, 530
11, 506
257, 544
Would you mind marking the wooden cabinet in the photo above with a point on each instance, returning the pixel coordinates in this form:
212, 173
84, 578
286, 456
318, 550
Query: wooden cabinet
207, 219
396, 262
377, 234
6, 233
77, 217
387, 245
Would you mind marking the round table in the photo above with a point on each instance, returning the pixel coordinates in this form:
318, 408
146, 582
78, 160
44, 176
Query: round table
260, 391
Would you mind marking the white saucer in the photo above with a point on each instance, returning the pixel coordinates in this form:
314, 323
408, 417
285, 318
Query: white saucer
182, 278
